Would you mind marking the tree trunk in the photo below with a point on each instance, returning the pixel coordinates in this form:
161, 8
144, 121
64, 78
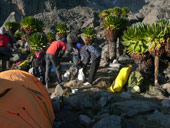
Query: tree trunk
112, 50
120, 47
167, 47
139, 68
111, 37
156, 70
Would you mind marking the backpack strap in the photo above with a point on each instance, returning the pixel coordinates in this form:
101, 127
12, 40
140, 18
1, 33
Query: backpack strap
37, 54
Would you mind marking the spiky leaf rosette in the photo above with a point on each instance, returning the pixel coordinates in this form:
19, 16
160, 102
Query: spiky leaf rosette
112, 25
133, 39
125, 11
62, 30
38, 25
19, 35
50, 36
89, 34
124, 23
30, 25
115, 11
155, 35
12, 26
111, 22
103, 14
38, 41
26, 24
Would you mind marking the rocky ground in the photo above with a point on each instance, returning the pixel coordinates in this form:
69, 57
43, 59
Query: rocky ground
94, 106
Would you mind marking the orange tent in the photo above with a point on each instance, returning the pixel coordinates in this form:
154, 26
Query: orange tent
24, 101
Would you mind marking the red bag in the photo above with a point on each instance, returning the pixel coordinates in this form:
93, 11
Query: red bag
37, 59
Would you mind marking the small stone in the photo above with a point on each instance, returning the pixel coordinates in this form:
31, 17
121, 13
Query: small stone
125, 95
85, 120
165, 103
59, 90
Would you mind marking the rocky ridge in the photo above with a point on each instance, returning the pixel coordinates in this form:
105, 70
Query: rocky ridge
140, 9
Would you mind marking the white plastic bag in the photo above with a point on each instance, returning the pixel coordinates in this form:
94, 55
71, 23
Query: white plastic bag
81, 76
115, 64
67, 75
31, 70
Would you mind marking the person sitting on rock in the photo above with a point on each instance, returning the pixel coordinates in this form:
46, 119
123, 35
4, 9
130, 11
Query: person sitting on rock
6, 46
90, 55
53, 55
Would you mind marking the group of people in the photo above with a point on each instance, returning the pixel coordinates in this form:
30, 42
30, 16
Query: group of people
82, 56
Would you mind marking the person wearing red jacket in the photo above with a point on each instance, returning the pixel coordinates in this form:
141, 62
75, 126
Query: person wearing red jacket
5, 47
53, 55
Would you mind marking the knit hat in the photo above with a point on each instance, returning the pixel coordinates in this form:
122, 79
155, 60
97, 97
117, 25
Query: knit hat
64, 40
2, 30
79, 45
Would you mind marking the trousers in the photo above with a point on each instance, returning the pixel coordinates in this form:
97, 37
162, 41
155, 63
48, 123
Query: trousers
55, 61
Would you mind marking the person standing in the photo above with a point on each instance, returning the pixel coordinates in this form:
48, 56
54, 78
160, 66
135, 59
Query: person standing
6, 46
90, 55
53, 55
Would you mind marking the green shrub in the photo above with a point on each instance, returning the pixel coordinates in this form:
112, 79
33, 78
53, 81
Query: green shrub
111, 22
38, 40
32, 24
133, 39
103, 13
50, 36
124, 11
62, 29
89, 32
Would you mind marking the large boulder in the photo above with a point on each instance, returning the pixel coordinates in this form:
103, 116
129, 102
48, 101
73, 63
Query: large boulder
132, 108
13, 17
156, 14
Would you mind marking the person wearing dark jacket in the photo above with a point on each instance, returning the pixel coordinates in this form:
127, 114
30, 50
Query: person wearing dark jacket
90, 55
53, 55
6, 46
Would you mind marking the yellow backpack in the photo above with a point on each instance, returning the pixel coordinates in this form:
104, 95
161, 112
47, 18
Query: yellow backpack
121, 79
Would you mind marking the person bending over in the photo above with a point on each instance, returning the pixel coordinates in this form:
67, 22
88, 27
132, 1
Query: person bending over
53, 55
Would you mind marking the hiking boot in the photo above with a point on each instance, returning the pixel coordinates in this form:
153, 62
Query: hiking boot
87, 83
